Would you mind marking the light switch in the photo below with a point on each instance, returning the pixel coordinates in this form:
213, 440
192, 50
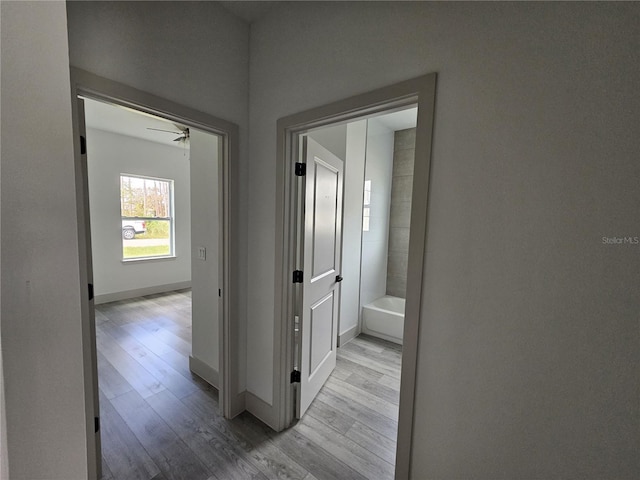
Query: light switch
202, 253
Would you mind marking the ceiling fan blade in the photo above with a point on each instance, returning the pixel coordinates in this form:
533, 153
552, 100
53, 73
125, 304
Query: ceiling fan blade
161, 130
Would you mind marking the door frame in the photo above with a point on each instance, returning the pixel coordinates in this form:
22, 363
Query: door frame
89, 85
419, 91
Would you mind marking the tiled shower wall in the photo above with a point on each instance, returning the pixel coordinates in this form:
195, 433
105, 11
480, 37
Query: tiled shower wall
399, 221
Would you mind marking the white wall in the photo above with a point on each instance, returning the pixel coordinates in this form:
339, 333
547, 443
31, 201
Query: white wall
375, 242
109, 155
528, 354
195, 54
205, 233
41, 329
356, 143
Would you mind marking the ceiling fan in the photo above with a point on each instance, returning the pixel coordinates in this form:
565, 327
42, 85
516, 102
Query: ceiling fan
183, 133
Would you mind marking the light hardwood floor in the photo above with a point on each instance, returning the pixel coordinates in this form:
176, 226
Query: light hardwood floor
161, 422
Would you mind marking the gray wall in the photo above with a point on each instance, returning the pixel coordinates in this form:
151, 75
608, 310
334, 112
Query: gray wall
41, 331
401, 187
109, 155
529, 359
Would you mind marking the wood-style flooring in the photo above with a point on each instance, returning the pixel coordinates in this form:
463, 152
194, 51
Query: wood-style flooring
160, 422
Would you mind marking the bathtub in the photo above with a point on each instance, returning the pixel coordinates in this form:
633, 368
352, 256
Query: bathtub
384, 318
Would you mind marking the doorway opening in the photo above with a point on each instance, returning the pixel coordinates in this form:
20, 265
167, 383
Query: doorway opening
323, 239
354, 248
154, 177
143, 172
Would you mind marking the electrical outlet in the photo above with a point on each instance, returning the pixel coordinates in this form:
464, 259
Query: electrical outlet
202, 253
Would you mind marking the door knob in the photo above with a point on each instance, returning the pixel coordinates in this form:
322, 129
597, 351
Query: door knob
339, 278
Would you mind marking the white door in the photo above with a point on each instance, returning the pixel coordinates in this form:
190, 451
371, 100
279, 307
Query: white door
321, 272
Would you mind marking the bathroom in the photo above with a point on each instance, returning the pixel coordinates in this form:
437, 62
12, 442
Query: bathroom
378, 178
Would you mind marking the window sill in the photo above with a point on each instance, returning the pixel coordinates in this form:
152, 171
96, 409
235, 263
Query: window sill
148, 259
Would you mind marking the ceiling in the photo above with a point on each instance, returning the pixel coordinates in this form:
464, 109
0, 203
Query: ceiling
400, 120
125, 121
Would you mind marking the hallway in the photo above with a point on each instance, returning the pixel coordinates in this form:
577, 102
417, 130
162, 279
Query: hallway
159, 421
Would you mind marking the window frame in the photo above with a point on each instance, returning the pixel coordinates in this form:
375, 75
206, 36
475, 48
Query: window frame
170, 219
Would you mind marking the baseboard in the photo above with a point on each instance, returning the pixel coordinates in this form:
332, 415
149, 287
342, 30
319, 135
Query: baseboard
140, 292
260, 409
239, 405
388, 338
204, 371
348, 335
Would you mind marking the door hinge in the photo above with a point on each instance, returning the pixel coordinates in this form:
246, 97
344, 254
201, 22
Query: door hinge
297, 276
301, 169
83, 145
96, 424
295, 376
90, 291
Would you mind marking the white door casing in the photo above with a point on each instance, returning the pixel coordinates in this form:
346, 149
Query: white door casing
420, 91
322, 240
89, 312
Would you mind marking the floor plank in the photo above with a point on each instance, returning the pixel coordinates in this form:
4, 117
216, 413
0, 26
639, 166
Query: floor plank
379, 423
106, 472
376, 443
330, 416
313, 457
210, 446
390, 382
358, 366
121, 450
168, 451
373, 364
109, 380
250, 435
134, 373
362, 397
345, 449
386, 393
158, 368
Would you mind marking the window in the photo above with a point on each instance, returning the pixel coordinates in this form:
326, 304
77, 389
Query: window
366, 210
146, 206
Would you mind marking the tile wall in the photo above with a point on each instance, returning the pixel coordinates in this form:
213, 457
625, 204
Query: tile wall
401, 189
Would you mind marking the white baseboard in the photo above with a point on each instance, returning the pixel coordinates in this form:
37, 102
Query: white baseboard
139, 292
348, 335
260, 409
239, 405
204, 371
